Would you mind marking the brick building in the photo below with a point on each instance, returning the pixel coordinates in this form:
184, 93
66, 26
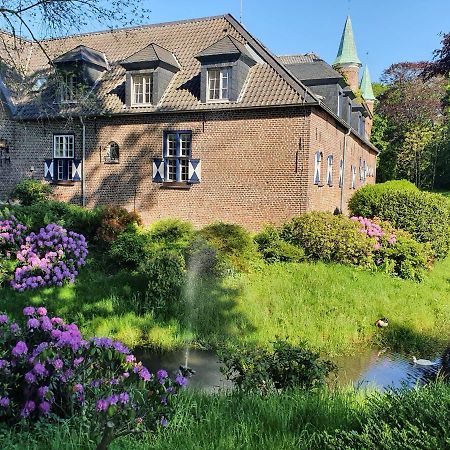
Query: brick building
193, 119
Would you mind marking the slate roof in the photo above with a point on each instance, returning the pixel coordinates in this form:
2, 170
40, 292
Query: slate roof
268, 83
82, 53
309, 67
225, 46
152, 53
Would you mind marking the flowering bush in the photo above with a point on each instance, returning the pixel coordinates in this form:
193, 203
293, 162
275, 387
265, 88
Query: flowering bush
11, 235
373, 229
49, 258
48, 370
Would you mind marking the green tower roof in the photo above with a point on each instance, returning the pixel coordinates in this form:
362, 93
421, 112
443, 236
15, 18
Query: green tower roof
366, 86
347, 50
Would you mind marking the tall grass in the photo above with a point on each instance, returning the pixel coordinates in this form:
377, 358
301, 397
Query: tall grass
332, 307
345, 419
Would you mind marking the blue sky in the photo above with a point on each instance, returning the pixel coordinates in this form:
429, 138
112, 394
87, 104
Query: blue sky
386, 31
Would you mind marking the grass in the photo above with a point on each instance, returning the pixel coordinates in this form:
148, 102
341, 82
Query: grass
416, 419
332, 307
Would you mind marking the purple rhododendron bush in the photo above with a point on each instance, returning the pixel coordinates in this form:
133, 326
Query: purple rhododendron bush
48, 372
48, 258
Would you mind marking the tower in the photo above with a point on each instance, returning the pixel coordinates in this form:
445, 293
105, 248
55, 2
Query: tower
368, 96
347, 61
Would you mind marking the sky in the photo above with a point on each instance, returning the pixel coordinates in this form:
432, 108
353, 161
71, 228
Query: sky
386, 31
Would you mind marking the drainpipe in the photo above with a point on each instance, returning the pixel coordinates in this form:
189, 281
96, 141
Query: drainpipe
344, 155
83, 159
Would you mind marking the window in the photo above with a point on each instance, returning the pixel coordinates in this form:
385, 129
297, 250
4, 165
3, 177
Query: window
341, 173
112, 152
353, 168
142, 89
63, 153
317, 167
330, 170
219, 83
340, 104
69, 88
177, 153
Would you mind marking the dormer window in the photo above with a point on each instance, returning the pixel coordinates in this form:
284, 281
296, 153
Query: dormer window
142, 88
69, 88
219, 84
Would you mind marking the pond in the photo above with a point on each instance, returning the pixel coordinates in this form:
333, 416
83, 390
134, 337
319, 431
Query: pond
368, 369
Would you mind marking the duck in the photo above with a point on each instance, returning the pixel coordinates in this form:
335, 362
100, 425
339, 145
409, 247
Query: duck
382, 323
423, 362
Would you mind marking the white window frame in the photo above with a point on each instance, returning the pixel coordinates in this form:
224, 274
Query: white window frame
69, 88
177, 154
147, 88
330, 170
341, 173
64, 153
224, 73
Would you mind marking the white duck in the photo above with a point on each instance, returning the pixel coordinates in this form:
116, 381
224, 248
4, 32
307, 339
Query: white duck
423, 362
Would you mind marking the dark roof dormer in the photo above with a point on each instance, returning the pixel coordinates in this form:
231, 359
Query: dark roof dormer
82, 54
224, 69
148, 74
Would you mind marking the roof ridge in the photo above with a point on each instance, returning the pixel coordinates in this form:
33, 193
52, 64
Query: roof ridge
136, 27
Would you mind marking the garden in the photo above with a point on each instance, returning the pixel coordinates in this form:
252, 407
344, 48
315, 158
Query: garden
82, 291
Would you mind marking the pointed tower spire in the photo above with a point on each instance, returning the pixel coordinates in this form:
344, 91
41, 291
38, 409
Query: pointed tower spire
347, 61
347, 50
366, 86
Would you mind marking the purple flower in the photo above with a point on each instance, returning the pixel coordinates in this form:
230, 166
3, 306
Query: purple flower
44, 407
30, 378
124, 398
78, 361
78, 388
130, 358
181, 381
28, 311
41, 311
20, 349
14, 328
39, 369
28, 408
3, 318
3, 363
145, 374
102, 405
58, 364
42, 391
33, 323
4, 402
162, 374
164, 422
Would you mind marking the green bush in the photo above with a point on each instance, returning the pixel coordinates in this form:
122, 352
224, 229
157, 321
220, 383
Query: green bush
204, 259
171, 234
286, 366
130, 249
424, 215
274, 249
233, 242
330, 238
165, 275
29, 192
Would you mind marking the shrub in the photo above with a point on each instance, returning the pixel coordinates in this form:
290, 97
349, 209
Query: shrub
204, 259
233, 242
330, 238
275, 249
29, 192
165, 275
49, 258
48, 370
424, 215
12, 235
286, 366
113, 221
130, 249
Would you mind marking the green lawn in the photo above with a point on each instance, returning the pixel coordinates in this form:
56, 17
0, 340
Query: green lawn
332, 307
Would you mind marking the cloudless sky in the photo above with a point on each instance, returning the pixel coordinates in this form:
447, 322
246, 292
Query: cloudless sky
386, 31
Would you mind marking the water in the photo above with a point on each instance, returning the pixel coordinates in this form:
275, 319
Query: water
368, 369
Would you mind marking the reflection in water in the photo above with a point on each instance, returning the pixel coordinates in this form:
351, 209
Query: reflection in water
368, 369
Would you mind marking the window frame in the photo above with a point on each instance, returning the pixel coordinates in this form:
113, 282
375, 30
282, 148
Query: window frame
70, 89
108, 159
177, 171
145, 84
318, 157
63, 162
330, 161
220, 71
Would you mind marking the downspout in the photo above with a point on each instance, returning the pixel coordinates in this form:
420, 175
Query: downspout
83, 159
344, 155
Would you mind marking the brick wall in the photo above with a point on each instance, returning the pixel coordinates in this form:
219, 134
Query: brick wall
10, 172
328, 137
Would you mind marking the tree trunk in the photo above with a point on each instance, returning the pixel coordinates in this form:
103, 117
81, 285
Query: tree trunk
108, 436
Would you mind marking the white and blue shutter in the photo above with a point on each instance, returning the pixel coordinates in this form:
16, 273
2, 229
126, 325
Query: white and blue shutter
158, 170
195, 171
353, 177
48, 169
76, 170
317, 167
330, 170
341, 173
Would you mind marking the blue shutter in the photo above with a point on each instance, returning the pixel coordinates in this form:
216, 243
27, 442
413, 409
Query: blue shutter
158, 170
48, 169
195, 171
76, 170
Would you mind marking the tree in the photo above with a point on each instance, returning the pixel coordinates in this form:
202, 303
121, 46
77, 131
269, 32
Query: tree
441, 60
